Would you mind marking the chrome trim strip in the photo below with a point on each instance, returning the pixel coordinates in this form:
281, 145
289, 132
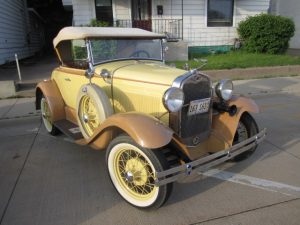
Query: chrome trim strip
203, 164
179, 80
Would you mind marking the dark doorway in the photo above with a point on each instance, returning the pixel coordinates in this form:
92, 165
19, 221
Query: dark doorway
55, 17
141, 14
104, 11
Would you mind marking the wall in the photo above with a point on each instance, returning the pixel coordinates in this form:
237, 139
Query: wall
67, 2
83, 11
194, 20
195, 31
122, 10
290, 8
17, 31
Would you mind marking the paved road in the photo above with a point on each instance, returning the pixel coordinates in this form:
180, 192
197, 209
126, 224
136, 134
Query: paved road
48, 180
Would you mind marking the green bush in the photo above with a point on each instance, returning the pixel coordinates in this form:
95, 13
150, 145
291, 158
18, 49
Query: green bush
97, 23
266, 33
79, 53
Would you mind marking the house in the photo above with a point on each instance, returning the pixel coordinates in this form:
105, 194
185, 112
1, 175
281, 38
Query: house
21, 31
289, 8
206, 25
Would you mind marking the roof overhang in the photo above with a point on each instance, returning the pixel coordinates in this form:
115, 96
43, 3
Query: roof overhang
75, 33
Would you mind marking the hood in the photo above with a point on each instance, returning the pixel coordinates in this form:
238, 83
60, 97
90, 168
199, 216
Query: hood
143, 71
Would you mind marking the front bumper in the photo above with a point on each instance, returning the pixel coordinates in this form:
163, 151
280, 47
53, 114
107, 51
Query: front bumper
203, 164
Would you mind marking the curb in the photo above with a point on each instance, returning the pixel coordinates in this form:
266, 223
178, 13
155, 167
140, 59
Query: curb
27, 88
254, 73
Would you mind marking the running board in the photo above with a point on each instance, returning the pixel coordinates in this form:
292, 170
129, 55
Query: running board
70, 129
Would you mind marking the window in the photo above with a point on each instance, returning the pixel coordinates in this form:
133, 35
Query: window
79, 51
73, 53
104, 11
219, 13
125, 49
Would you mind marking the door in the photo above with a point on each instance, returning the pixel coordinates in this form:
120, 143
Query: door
141, 14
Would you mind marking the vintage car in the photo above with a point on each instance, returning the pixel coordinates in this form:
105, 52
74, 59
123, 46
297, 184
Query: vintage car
158, 124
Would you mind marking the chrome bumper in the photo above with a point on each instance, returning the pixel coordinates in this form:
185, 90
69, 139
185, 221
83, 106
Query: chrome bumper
203, 164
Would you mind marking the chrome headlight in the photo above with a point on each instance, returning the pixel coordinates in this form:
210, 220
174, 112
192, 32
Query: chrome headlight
224, 89
173, 99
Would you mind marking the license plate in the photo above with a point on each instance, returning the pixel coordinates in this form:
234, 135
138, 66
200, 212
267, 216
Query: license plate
199, 106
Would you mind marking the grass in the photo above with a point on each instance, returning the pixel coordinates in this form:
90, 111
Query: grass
240, 59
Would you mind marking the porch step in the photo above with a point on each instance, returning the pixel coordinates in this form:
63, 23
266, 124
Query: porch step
69, 129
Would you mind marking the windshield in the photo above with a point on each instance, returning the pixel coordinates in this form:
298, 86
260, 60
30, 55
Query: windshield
118, 49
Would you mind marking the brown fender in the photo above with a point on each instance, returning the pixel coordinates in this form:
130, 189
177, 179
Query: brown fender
55, 101
226, 125
145, 130
223, 128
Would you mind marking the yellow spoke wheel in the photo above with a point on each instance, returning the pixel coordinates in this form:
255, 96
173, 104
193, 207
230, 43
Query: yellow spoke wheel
133, 172
93, 107
89, 115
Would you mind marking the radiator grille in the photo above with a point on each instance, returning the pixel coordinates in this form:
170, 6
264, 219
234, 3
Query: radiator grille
193, 129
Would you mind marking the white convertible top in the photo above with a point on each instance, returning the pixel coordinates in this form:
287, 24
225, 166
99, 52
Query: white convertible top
73, 33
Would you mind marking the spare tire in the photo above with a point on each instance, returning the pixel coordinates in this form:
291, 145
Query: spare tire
93, 107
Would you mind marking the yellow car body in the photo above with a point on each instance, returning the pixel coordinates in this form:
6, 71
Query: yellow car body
131, 93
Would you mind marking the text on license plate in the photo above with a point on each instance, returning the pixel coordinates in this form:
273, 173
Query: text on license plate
199, 106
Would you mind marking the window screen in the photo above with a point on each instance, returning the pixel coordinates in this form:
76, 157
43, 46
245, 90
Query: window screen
219, 13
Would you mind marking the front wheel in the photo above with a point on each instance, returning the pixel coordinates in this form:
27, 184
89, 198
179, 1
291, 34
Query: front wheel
247, 128
132, 170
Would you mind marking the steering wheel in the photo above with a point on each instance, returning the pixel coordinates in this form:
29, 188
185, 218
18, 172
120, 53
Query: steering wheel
138, 53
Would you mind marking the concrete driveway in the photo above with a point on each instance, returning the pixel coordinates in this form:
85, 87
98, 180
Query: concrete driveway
49, 180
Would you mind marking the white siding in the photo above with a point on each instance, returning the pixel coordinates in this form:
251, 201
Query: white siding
290, 8
245, 8
122, 10
67, 2
195, 31
17, 33
83, 12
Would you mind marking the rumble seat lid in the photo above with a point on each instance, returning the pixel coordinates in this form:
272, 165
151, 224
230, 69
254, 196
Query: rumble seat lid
73, 33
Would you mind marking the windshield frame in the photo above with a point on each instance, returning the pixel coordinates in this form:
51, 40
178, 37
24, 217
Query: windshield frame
91, 58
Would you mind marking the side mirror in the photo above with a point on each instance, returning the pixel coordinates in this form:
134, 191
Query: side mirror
106, 75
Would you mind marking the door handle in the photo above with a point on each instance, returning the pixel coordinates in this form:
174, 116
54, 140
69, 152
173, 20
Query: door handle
67, 79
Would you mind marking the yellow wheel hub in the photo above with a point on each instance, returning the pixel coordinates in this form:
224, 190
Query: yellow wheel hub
88, 115
135, 174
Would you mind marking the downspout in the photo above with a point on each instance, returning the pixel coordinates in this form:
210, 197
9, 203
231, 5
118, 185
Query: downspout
182, 19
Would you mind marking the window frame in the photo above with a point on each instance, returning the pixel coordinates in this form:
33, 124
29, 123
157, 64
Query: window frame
111, 20
233, 15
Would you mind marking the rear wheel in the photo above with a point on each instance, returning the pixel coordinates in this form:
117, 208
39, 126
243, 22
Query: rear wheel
247, 128
132, 170
46, 117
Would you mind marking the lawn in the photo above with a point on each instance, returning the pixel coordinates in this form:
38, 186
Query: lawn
240, 60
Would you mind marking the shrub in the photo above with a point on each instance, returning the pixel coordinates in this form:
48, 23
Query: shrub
266, 33
98, 23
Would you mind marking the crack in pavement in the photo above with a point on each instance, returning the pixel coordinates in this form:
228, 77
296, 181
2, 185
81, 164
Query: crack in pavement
246, 211
19, 175
21, 117
281, 149
10, 108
